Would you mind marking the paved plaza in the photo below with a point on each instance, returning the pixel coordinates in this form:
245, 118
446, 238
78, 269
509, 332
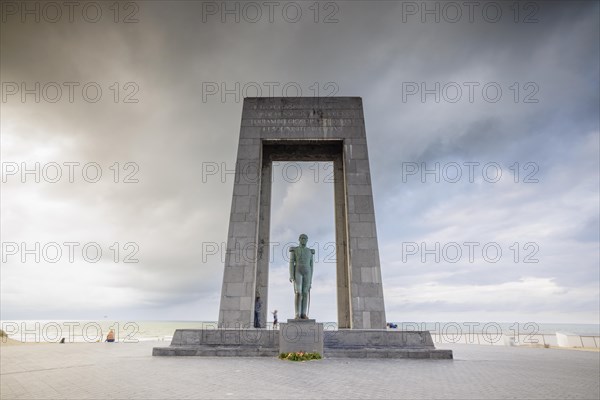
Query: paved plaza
122, 371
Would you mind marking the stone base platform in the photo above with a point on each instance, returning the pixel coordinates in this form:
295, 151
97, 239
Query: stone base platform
343, 343
379, 343
222, 343
214, 351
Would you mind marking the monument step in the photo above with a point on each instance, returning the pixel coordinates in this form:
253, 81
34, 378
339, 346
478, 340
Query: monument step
215, 351
251, 337
378, 338
231, 351
389, 353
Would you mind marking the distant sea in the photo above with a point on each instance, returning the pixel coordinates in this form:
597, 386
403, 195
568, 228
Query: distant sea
134, 331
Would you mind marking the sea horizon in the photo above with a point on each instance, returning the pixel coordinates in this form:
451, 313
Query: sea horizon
84, 330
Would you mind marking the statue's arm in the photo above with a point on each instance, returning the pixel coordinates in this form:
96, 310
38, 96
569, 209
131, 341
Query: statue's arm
292, 264
311, 268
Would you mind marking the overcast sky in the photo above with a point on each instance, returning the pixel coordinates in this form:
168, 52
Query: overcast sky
503, 100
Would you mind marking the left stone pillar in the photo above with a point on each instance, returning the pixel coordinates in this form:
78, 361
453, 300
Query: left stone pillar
238, 293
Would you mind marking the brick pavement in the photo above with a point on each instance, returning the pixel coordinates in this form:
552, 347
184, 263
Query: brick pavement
119, 371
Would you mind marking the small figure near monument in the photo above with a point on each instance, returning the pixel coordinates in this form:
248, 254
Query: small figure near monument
257, 310
275, 322
301, 271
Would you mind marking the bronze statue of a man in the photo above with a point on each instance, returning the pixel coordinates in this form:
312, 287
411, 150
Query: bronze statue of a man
301, 271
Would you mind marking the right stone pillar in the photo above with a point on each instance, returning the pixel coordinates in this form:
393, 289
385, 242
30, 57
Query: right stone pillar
366, 291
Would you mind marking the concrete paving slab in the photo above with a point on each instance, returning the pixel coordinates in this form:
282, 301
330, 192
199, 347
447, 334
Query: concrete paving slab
128, 371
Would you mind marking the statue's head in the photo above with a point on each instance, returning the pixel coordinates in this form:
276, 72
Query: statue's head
303, 239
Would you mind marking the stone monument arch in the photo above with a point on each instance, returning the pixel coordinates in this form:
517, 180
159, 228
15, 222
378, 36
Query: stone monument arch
303, 129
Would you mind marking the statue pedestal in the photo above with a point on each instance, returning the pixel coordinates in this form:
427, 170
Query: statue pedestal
301, 335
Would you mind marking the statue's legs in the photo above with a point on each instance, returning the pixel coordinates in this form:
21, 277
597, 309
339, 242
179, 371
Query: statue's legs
305, 297
301, 288
298, 304
304, 310
298, 298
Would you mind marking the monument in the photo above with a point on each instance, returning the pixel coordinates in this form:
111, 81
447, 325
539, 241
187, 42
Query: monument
303, 129
301, 333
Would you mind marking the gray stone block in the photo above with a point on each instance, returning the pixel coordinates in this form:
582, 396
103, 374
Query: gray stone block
230, 317
369, 290
247, 171
363, 204
357, 151
248, 152
365, 322
248, 289
235, 259
230, 303
244, 229
234, 274
249, 275
242, 204
366, 217
364, 258
367, 275
353, 218
377, 317
253, 191
246, 303
350, 166
301, 335
362, 166
235, 289
363, 190
366, 243
358, 178
362, 229
238, 217
241, 189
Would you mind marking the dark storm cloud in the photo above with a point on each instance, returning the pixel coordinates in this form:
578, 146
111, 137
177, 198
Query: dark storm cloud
174, 132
